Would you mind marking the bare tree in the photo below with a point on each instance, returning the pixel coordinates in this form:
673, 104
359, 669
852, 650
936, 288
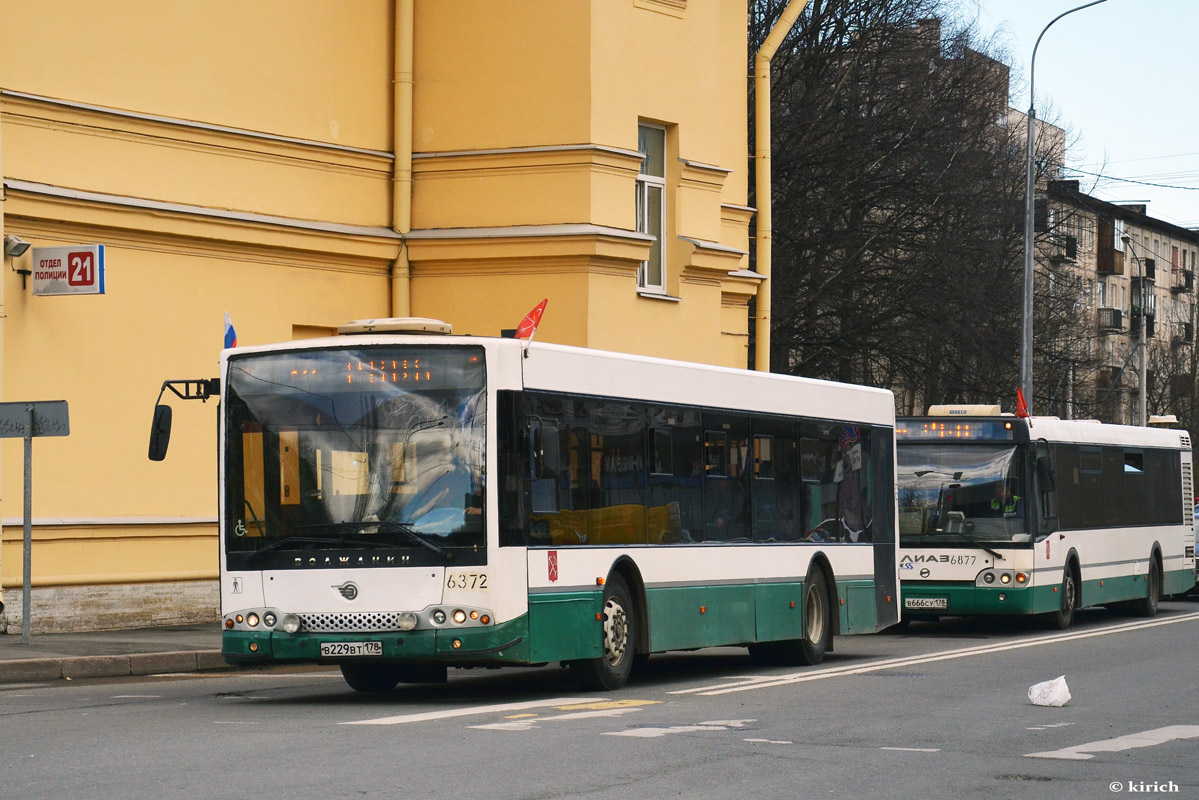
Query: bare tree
897, 197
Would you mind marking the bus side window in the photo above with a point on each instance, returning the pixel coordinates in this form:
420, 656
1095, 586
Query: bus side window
545, 461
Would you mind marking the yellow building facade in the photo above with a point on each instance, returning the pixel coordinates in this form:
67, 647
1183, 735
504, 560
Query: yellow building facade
302, 163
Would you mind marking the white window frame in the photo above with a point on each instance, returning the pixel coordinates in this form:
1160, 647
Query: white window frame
646, 208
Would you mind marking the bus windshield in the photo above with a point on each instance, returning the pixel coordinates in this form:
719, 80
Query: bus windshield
347, 456
968, 493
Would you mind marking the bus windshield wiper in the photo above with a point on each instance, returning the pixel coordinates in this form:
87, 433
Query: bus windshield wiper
343, 541
917, 540
403, 528
966, 537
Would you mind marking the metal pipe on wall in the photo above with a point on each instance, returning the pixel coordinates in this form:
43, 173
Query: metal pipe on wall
401, 182
762, 176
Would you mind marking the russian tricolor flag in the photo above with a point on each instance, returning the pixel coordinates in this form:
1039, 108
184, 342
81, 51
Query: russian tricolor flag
230, 334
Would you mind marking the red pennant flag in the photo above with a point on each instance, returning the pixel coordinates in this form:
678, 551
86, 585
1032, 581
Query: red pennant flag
1021, 406
528, 326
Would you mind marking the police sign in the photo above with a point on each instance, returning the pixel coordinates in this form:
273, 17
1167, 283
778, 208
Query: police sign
78, 269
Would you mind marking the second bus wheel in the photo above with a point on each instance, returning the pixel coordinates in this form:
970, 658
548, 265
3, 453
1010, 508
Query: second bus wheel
1064, 617
618, 641
817, 636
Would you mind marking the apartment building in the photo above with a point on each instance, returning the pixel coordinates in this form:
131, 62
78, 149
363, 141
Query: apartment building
1112, 274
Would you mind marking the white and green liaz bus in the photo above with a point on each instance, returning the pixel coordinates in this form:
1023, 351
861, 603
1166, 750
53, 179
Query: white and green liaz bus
396, 503
1011, 515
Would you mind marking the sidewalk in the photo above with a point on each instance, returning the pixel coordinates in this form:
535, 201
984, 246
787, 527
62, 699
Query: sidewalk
106, 654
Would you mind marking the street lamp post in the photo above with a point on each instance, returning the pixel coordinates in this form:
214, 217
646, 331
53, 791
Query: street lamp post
1029, 198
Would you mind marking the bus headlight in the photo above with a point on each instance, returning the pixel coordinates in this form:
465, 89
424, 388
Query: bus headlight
406, 620
1005, 577
252, 620
459, 616
439, 617
291, 623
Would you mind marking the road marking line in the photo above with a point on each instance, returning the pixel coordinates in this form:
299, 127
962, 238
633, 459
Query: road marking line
135, 696
766, 741
530, 724
965, 652
498, 708
662, 730
603, 704
913, 749
1082, 752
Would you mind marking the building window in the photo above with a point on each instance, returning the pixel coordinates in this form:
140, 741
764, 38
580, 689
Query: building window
651, 205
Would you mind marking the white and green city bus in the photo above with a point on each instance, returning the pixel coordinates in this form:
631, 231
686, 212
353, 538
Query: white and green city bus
398, 503
1010, 515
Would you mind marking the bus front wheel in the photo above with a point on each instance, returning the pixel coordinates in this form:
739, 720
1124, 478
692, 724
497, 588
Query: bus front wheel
384, 677
1064, 617
618, 641
370, 677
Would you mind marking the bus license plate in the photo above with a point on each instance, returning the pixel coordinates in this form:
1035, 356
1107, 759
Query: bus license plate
939, 603
351, 649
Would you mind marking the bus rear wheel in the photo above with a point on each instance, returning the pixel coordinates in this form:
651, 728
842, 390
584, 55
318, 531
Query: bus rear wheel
817, 636
1148, 606
618, 642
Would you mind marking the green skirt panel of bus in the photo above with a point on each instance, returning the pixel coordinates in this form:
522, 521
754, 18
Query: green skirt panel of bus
563, 626
950, 599
505, 643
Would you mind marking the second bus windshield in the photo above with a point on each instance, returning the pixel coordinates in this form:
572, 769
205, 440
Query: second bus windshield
955, 491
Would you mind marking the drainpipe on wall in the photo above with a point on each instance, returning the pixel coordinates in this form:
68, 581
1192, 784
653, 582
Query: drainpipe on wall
762, 175
401, 179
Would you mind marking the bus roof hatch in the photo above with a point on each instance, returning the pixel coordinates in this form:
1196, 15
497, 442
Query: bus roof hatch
396, 325
977, 410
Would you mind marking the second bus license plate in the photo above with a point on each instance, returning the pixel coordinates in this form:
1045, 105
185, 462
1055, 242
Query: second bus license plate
939, 603
351, 648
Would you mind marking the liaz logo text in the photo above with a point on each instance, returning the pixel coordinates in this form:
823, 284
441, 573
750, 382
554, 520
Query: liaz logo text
917, 559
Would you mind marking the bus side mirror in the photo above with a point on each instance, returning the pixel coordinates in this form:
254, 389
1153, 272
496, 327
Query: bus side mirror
1045, 474
160, 432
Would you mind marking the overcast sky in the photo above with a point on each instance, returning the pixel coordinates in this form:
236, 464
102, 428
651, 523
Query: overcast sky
1121, 77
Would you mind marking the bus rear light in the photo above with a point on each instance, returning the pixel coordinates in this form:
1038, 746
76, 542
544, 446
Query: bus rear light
474, 615
229, 624
486, 620
1021, 577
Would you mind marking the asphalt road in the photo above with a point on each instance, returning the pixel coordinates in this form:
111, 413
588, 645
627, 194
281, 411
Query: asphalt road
940, 710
